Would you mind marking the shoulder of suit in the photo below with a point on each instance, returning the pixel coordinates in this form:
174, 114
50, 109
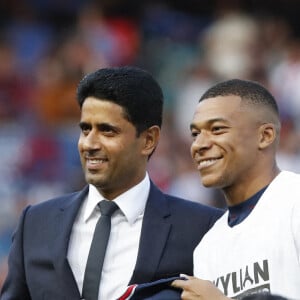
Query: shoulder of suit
192, 205
59, 201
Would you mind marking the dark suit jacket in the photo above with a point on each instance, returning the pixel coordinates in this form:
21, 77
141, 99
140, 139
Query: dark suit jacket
38, 266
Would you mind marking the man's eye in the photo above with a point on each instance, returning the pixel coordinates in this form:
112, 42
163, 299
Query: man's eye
84, 129
106, 129
194, 134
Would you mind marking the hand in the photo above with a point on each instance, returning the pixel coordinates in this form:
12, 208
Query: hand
198, 289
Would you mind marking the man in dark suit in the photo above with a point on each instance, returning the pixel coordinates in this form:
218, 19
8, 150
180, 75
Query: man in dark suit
153, 235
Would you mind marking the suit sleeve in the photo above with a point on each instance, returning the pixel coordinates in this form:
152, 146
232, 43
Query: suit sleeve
15, 286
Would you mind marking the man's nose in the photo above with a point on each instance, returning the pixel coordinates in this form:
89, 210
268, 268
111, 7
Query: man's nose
91, 141
201, 142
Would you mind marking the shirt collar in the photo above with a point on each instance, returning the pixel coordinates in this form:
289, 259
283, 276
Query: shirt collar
132, 203
93, 198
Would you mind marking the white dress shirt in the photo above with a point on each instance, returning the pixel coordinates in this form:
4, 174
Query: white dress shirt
123, 244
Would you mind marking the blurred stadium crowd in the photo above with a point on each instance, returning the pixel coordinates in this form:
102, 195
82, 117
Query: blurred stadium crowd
46, 46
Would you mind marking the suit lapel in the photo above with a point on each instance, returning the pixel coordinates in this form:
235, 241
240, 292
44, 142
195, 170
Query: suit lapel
62, 228
155, 231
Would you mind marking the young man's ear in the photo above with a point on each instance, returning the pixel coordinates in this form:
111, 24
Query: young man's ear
268, 135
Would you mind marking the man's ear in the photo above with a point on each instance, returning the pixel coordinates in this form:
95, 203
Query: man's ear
267, 135
150, 139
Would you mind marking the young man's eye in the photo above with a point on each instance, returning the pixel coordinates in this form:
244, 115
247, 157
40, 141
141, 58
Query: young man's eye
194, 134
218, 129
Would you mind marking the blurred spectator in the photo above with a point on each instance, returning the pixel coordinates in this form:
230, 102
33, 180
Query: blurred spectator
230, 45
29, 36
285, 81
14, 89
188, 92
40, 167
56, 79
116, 38
289, 148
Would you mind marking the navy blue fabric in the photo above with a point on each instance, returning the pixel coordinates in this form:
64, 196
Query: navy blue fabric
241, 211
157, 290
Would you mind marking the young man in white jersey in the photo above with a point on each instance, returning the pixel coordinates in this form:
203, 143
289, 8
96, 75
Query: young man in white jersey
255, 247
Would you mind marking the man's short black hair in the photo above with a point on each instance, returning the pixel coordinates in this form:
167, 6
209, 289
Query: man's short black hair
130, 87
249, 91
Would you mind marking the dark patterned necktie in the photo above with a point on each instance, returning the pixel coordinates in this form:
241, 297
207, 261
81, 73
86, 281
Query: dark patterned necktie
96, 256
